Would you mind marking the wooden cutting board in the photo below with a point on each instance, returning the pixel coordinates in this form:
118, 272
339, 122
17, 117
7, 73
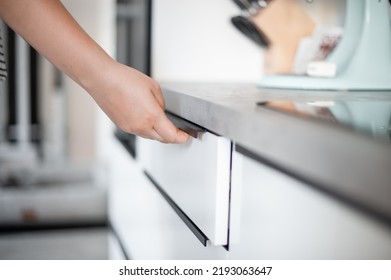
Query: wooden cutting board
285, 23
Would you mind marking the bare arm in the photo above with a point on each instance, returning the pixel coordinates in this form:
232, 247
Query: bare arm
131, 99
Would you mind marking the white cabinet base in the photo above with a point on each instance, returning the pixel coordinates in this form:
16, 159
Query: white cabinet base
274, 216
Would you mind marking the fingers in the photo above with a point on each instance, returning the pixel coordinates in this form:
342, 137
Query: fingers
168, 132
164, 130
153, 135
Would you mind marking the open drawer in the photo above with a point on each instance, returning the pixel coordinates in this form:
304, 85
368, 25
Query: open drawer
194, 177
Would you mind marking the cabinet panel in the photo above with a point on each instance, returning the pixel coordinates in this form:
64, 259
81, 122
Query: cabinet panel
274, 216
196, 176
145, 223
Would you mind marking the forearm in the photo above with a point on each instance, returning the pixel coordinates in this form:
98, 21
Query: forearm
50, 29
131, 99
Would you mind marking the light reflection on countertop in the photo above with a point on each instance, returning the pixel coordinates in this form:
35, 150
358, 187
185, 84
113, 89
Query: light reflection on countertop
364, 116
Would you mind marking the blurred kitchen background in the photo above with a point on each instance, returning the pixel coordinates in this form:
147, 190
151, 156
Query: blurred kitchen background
61, 160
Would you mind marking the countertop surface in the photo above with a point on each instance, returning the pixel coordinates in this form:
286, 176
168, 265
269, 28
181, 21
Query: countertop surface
338, 142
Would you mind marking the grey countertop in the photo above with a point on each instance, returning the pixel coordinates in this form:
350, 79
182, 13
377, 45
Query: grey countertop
338, 142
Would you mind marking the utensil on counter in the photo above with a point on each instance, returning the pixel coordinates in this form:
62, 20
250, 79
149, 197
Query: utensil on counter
245, 24
250, 30
251, 7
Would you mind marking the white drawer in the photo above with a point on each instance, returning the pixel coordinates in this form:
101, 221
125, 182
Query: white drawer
274, 216
196, 176
146, 225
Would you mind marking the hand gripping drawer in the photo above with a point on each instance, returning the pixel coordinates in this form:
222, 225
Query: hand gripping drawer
196, 177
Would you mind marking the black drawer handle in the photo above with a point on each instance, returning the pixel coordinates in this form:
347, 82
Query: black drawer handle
190, 224
188, 127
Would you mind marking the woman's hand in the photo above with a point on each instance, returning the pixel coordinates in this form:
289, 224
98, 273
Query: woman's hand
135, 103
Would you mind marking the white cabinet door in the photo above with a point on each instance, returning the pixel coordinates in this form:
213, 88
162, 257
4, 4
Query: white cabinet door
145, 223
274, 216
196, 176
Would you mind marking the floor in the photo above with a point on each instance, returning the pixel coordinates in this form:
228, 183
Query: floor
64, 244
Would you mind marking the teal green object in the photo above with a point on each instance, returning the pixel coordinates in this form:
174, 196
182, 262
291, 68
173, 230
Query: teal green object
355, 113
363, 57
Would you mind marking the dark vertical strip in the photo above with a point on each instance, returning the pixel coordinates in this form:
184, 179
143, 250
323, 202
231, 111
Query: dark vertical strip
148, 58
33, 86
127, 42
229, 198
11, 80
34, 96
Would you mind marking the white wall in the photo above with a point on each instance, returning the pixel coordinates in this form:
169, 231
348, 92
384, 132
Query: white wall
89, 128
195, 41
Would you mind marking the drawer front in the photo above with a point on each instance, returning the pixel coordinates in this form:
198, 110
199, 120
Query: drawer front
145, 224
196, 176
274, 216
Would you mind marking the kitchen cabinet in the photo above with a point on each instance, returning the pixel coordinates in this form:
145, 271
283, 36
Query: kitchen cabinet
256, 181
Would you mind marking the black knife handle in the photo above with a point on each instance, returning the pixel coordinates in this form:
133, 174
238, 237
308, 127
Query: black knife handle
250, 30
